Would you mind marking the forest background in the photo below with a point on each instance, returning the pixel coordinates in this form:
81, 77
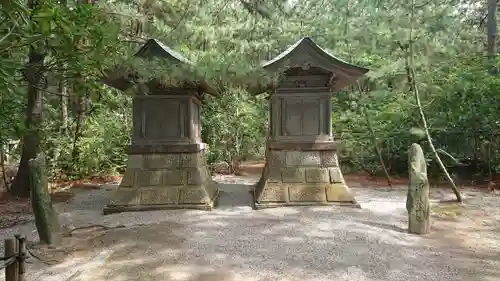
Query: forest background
53, 55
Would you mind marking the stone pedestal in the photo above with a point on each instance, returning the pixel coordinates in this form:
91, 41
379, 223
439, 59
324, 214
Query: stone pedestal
166, 162
164, 180
298, 178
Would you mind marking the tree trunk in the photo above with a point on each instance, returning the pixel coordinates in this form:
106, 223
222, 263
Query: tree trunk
81, 109
429, 139
413, 86
46, 219
377, 148
492, 28
374, 140
33, 118
63, 90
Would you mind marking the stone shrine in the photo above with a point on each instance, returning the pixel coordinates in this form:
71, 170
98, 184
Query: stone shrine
301, 163
166, 166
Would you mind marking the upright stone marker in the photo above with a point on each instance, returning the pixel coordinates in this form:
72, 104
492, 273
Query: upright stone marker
302, 166
46, 218
166, 161
417, 201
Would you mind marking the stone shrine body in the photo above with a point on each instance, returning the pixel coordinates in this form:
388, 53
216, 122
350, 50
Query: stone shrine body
301, 164
166, 166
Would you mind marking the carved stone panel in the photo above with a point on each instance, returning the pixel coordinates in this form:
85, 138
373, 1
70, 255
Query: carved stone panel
194, 121
136, 120
162, 119
311, 117
292, 117
305, 81
301, 105
301, 116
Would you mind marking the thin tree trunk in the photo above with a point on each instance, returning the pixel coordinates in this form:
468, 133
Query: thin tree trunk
63, 90
409, 56
431, 144
377, 148
81, 109
374, 140
492, 28
33, 117
2, 166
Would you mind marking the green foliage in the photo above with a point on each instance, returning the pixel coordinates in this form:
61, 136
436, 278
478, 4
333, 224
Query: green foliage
103, 144
228, 41
234, 127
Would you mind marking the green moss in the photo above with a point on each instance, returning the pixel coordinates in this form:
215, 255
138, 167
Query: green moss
448, 210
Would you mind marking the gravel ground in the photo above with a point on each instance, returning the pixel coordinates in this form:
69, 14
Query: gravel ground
233, 242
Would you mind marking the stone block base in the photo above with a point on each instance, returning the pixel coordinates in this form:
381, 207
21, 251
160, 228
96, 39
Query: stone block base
164, 181
300, 178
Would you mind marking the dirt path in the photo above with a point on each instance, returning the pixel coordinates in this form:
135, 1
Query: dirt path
234, 242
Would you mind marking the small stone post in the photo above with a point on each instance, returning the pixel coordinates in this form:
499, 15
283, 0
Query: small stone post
46, 219
417, 201
11, 271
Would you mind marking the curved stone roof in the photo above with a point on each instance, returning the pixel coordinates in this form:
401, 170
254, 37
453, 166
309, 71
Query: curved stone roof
307, 52
156, 48
307, 45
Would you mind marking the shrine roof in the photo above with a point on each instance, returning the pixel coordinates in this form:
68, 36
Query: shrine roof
306, 53
307, 45
156, 48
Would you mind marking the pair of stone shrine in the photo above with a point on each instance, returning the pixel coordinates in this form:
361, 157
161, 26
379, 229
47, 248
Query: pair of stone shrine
166, 165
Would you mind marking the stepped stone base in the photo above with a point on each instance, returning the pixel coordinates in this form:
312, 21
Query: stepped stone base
301, 178
164, 181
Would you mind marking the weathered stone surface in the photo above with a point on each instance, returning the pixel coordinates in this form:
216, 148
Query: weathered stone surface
317, 175
164, 148
302, 158
197, 176
159, 195
163, 182
149, 177
289, 175
126, 196
46, 218
128, 179
274, 193
336, 175
314, 177
135, 161
192, 159
339, 192
417, 201
274, 175
161, 161
329, 158
193, 195
277, 158
166, 166
175, 177
211, 189
301, 130
307, 193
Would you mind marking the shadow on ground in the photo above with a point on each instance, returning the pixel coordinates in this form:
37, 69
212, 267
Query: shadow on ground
234, 195
234, 242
